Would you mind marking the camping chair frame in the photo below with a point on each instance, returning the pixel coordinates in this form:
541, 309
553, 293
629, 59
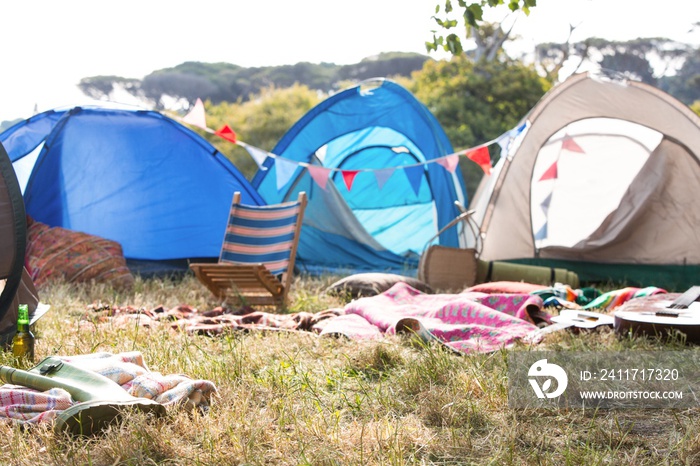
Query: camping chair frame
250, 280
447, 268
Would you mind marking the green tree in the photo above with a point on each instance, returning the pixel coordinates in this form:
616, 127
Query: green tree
100, 87
476, 102
696, 107
259, 121
225, 82
632, 59
685, 84
468, 14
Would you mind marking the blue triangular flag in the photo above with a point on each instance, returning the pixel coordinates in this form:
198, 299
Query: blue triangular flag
383, 176
545, 204
415, 176
258, 155
542, 234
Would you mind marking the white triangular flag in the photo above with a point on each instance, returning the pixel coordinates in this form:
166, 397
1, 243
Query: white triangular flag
197, 116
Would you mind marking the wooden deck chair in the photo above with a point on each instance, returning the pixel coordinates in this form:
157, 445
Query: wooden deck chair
256, 264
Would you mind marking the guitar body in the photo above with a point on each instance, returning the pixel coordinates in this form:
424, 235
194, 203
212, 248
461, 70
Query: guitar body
660, 315
582, 319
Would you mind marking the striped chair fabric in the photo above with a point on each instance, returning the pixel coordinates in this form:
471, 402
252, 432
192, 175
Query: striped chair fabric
261, 235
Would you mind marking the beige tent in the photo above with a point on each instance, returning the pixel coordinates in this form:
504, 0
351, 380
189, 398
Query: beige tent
603, 178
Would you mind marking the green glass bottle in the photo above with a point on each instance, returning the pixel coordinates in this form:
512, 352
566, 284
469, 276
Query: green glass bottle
23, 341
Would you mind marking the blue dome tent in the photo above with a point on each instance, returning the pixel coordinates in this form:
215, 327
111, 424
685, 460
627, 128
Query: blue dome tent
135, 177
378, 129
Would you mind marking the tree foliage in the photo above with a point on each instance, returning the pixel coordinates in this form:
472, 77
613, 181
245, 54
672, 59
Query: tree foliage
224, 82
631, 58
99, 87
685, 85
476, 102
468, 14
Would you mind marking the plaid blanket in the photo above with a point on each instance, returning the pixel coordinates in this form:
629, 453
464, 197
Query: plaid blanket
24, 405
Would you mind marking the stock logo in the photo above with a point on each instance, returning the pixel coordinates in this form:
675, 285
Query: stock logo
542, 370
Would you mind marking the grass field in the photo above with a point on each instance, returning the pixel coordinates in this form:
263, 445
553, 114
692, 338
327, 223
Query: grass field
295, 398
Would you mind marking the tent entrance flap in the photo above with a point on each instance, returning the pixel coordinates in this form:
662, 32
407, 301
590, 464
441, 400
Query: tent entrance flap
382, 200
581, 174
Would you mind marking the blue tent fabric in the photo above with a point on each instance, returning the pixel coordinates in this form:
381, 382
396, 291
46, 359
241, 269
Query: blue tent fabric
386, 222
135, 177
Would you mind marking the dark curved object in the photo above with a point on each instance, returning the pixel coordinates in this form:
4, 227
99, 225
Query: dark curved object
13, 231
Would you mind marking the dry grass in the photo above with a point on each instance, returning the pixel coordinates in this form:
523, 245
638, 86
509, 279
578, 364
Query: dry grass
294, 398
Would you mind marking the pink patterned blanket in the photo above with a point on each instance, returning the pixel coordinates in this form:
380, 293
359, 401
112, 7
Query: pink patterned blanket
465, 322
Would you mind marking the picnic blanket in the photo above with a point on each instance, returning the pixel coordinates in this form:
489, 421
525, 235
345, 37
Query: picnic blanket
26, 406
208, 322
465, 322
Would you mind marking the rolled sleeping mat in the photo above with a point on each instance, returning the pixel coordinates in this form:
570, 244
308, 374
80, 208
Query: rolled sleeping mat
496, 271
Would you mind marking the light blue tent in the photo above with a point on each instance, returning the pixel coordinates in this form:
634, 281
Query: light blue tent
379, 129
135, 177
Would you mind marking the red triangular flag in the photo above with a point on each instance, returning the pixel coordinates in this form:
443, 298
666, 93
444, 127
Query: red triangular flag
349, 177
569, 144
551, 173
481, 157
227, 133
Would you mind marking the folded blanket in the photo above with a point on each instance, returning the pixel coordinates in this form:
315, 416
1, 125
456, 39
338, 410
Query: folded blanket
613, 299
24, 405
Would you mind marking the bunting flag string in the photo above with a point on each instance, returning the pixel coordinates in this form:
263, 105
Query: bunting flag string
552, 173
414, 172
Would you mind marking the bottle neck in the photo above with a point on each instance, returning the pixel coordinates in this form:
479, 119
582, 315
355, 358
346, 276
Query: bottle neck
22, 327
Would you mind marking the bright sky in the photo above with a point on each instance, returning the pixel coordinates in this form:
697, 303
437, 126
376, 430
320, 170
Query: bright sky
49, 45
